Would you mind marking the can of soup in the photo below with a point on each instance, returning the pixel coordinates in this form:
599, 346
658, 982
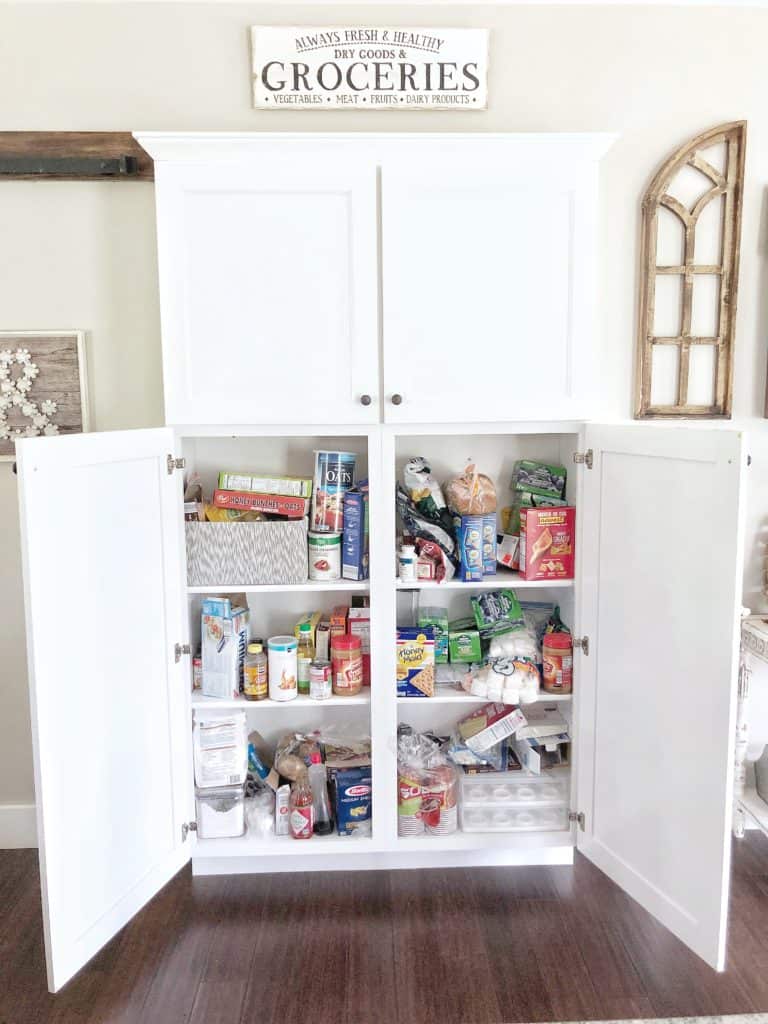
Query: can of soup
324, 556
334, 476
320, 680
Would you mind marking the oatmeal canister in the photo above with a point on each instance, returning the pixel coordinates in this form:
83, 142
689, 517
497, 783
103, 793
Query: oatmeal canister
324, 556
334, 476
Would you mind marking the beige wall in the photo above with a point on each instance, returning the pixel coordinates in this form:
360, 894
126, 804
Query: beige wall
82, 255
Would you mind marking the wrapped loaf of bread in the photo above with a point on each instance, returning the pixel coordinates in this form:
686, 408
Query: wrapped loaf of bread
471, 494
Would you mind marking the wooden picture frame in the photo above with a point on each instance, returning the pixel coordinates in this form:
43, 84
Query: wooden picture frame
716, 345
52, 397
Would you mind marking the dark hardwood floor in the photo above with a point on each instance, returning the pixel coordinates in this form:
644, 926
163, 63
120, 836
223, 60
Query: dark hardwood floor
477, 946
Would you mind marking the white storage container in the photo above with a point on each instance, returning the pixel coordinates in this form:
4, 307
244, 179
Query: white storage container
506, 802
220, 812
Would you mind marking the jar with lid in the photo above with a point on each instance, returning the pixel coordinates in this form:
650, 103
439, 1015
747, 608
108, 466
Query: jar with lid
255, 677
283, 667
346, 665
557, 655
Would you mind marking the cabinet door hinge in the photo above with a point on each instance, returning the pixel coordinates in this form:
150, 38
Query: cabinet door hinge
586, 458
579, 817
179, 650
186, 828
582, 642
175, 464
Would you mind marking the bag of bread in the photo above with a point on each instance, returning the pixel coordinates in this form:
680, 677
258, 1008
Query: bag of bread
471, 494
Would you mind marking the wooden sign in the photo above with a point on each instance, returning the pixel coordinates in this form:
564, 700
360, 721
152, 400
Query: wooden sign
42, 386
369, 68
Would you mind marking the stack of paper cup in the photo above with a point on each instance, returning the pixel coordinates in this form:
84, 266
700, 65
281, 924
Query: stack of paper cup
409, 795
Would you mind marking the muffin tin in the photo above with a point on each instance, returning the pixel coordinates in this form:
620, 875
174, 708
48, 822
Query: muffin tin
502, 802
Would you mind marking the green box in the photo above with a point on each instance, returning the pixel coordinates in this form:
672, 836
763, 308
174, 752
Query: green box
438, 619
464, 641
541, 478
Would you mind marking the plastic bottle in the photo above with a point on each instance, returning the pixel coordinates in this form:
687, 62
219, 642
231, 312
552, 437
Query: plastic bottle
301, 816
407, 563
323, 825
305, 656
255, 680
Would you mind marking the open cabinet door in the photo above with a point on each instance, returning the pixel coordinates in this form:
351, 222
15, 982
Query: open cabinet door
101, 540
661, 551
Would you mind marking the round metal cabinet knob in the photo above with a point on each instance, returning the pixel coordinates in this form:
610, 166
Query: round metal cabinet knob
397, 399
365, 399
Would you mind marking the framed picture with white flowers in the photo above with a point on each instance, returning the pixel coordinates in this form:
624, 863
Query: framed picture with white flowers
43, 386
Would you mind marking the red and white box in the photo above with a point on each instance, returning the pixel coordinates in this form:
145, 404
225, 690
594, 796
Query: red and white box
489, 725
547, 543
276, 504
359, 624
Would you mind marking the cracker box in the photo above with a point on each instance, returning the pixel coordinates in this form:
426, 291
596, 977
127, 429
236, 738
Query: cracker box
464, 641
354, 545
415, 662
547, 543
359, 624
224, 638
274, 504
296, 486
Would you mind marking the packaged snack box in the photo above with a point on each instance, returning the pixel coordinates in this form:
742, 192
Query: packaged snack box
415, 662
296, 486
338, 620
496, 612
488, 725
437, 618
354, 550
470, 538
224, 639
464, 641
489, 544
273, 504
359, 624
541, 478
547, 543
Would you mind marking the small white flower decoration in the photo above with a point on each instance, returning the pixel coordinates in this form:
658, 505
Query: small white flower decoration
15, 393
48, 407
50, 429
22, 356
23, 385
6, 357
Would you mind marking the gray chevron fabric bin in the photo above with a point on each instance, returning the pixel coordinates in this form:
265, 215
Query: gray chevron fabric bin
246, 554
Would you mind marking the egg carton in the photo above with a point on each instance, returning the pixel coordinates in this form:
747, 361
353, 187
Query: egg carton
504, 789
514, 819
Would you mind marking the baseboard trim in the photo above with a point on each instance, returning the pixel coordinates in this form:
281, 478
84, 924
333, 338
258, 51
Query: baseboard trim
18, 827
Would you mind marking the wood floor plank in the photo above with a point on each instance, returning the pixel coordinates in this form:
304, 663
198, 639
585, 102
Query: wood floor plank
443, 973
479, 945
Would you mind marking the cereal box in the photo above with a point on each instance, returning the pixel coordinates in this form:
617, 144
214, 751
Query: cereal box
547, 543
354, 549
415, 662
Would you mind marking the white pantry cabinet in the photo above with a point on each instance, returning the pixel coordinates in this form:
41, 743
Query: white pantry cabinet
654, 691
276, 253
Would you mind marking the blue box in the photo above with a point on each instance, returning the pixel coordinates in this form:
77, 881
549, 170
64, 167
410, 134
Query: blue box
353, 796
354, 547
470, 536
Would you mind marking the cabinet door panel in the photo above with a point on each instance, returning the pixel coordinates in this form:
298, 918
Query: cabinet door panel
486, 291
268, 289
661, 552
102, 568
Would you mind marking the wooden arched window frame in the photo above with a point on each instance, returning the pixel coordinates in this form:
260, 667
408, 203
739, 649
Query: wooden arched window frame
727, 182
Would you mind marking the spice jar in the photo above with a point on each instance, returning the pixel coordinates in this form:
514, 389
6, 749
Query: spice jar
347, 665
557, 655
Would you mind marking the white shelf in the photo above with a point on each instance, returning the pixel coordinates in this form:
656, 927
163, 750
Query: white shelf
199, 701
468, 698
503, 578
309, 586
487, 841
247, 846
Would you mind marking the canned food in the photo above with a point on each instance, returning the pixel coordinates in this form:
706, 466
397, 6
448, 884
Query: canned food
320, 685
324, 556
